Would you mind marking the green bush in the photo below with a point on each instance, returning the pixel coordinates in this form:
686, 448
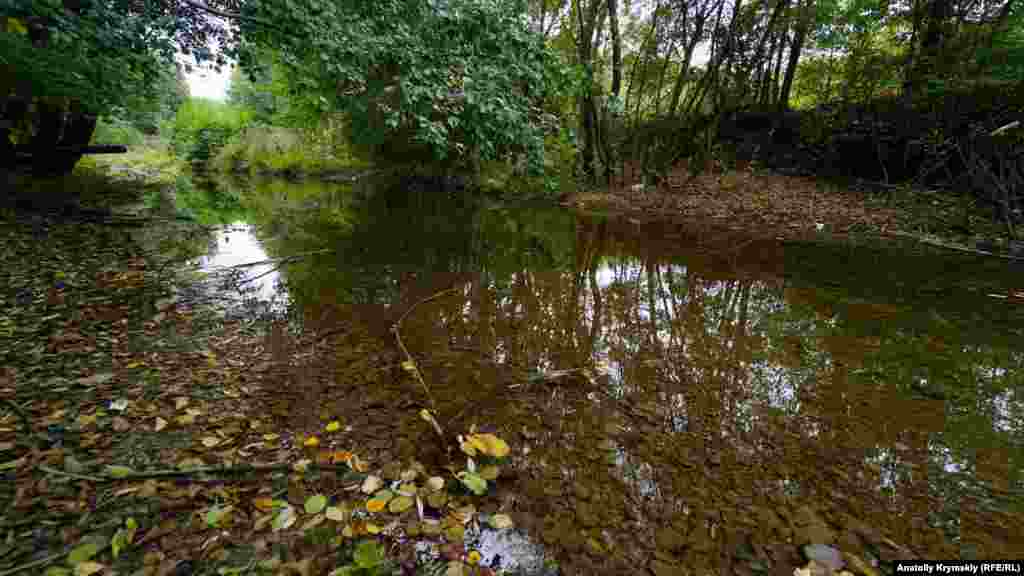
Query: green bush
201, 127
281, 150
113, 130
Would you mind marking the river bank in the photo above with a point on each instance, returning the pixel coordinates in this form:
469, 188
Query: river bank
760, 204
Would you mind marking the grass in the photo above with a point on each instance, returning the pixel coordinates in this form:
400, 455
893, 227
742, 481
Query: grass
197, 113
271, 149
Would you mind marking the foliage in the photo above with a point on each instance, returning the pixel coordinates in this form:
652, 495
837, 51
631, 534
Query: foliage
254, 94
456, 81
105, 54
116, 130
202, 127
282, 150
369, 558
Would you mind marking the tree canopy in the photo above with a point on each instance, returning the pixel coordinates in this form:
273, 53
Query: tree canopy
460, 80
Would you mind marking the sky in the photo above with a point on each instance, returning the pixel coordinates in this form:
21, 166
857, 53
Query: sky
208, 84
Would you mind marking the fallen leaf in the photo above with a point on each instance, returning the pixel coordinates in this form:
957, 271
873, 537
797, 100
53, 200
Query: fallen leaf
333, 426
88, 568
336, 513
475, 483
180, 402
400, 504
375, 505
311, 442
487, 444
500, 521
315, 504
371, 484
210, 441
435, 483
82, 553
263, 504
119, 471
160, 424
284, 518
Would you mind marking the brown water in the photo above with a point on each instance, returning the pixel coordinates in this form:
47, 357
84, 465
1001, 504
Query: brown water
675, 402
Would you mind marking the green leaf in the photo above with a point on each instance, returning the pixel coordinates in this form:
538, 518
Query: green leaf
474, 482
82, 553
315, 504
217, 514
118, 542
368, 554
284, 518
119, 471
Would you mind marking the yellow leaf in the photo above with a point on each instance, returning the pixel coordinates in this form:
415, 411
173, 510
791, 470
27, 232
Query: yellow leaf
372, 528
333, 426
210, 441
135, 365
16, 26
371, 484
488, 444
435, 483
409, 366
473, 558
358, 465
180, 403
87, 568
500, 521
490, 472
160, 424
263, 504
312, 442
375, 505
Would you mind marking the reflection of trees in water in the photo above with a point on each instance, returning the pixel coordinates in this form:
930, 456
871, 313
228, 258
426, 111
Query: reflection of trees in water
737, 413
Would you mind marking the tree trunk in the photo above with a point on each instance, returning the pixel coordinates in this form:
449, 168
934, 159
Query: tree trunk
613, 23
794, 59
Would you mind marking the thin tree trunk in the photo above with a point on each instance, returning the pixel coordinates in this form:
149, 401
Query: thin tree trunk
794, 58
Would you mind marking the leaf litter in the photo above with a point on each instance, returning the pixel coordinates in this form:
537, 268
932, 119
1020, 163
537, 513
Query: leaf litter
136, 437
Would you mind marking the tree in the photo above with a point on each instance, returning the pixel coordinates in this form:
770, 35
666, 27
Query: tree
449, 81
103, 53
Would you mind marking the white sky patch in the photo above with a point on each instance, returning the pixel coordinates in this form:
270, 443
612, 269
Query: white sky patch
207, 83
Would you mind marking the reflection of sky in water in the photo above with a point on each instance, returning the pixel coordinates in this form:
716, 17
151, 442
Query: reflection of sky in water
237, 245
509, 550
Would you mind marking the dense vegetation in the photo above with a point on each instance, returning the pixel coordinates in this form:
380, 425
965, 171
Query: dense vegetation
556, 87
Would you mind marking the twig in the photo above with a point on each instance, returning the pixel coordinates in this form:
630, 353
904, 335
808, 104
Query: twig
35, 563
49, 470
25, 420
282, 260
415, 370
222, 470
424, 301
395, 330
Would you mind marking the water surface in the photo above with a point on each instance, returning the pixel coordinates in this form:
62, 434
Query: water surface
676, 401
